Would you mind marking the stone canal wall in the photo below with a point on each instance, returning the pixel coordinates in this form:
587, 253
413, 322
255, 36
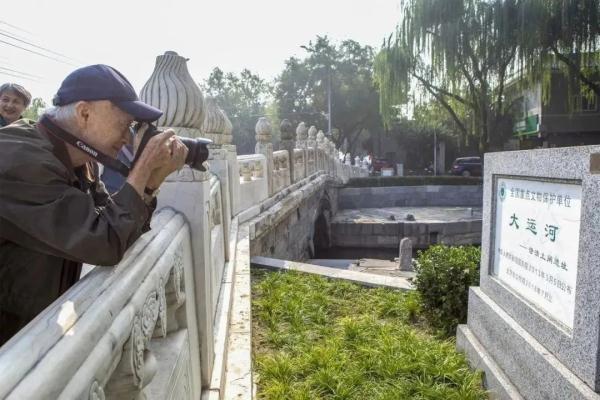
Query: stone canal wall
411, 196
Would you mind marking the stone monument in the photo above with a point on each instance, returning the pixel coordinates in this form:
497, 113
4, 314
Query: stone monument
534, 321
405, 255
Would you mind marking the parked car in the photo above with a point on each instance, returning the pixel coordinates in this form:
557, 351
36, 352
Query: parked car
467, 166
379, 163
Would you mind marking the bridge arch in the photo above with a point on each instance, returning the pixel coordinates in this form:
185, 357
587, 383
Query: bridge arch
321, 234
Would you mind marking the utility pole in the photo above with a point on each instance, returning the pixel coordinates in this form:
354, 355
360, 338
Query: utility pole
329, 100
434, 152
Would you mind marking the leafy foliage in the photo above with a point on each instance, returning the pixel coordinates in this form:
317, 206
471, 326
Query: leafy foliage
301, 89
244, 99
463, 53
565, 33
444, 275
35, 109
320, 339
455, 52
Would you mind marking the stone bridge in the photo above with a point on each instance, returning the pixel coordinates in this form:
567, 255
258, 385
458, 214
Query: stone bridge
172, 319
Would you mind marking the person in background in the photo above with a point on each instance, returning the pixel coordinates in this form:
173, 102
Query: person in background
14, 99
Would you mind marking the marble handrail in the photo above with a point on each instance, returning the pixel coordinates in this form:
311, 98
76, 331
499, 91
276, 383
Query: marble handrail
95, 340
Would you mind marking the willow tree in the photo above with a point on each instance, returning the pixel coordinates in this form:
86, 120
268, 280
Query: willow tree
564, 34
456, 52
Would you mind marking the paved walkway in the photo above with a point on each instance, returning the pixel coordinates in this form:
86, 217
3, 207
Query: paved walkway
361, 278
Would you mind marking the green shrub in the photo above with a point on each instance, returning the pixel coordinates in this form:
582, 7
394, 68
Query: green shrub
384, 181
444, 275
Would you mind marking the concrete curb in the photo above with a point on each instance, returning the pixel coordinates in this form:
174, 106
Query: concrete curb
361, 278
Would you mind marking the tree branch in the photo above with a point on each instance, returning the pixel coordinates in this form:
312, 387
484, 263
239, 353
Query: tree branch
450, 110
576, 70
430, 86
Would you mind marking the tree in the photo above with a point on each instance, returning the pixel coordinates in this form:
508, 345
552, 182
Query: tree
461, 54
456, 52
35, 109
565, 33
244, 99
302, 89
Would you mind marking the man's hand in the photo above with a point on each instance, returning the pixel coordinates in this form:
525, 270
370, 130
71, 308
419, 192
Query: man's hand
163, 154
179, 152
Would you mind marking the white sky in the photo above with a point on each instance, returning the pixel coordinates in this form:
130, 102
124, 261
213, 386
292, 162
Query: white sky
128, 34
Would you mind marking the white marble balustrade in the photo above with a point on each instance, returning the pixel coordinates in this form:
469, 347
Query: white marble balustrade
254, 187
118, 331
281, 171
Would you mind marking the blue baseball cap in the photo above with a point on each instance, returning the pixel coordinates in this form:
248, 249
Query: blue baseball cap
101, 82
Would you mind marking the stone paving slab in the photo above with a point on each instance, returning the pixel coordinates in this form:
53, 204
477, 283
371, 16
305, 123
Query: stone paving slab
421, 214
381, 267
361, 278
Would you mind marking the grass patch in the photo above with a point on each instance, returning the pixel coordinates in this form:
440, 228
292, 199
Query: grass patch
320, 339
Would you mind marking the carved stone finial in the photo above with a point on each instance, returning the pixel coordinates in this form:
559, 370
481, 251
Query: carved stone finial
312, 133
169, 82
301, 131
287, 131
321, 137
214, 120
263, 130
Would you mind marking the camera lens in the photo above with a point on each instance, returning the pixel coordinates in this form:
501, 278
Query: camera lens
197, 152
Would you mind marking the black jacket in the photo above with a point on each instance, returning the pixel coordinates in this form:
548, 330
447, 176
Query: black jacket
52, 218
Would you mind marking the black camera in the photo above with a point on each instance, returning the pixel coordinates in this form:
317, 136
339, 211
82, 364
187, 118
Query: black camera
197, 147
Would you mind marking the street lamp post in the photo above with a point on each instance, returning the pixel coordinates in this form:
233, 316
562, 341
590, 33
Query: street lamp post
329, 101
434, 152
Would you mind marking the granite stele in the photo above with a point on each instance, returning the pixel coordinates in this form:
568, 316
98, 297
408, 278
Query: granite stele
534, 322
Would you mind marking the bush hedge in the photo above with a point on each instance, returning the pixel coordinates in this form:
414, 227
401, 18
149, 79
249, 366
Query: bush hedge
383, 181
443, 277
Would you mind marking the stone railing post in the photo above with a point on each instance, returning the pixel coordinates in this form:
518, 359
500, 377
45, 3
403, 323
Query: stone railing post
311, 146
329, 157
301, 138
320, 151
187, 191
265, 147
233, 168
213, 127
288, 141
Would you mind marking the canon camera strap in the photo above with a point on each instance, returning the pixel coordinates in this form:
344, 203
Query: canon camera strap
91, 151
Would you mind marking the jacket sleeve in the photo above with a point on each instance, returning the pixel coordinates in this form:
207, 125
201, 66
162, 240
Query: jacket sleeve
39, 210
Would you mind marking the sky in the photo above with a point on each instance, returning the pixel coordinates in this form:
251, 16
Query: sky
128, 35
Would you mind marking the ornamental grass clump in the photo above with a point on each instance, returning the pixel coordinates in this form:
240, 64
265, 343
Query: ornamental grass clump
319, 339
444, 275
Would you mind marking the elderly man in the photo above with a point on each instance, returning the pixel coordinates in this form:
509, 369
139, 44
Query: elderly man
54, 212
14, 99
